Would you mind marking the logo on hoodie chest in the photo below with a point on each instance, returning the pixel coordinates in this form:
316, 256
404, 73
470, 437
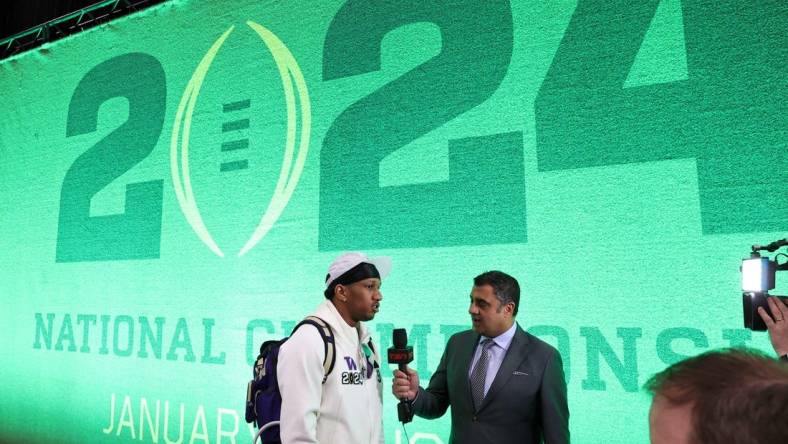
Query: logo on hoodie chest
355, 374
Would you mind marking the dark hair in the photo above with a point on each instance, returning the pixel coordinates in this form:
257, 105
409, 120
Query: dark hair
736, 395
505, 287
360, 272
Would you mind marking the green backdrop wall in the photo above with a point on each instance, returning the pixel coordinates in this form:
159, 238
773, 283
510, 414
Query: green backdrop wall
174, 184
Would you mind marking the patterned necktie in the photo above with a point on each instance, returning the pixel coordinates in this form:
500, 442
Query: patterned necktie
479, 373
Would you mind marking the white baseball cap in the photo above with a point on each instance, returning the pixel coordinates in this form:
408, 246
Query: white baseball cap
349, 260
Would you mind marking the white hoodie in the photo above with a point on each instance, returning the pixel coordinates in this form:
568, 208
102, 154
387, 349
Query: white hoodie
346, 409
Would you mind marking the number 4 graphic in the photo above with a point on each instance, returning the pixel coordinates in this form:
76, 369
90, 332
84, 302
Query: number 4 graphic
730, 114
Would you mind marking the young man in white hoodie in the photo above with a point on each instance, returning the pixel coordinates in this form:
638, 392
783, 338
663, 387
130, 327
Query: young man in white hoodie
347, 407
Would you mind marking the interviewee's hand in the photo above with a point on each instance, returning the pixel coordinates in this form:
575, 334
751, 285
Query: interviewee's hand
777, 324
405, 386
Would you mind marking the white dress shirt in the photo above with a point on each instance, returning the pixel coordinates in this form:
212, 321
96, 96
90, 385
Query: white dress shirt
498, 350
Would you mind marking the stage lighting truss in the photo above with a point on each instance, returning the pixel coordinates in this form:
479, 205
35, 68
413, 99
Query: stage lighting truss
69, 24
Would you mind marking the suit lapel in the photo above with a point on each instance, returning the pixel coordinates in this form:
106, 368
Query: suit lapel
467, 351
514, 356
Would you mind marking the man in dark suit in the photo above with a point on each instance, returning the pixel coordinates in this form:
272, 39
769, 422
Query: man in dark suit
504, 385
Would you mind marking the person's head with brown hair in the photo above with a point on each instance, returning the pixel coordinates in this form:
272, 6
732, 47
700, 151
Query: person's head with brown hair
725, 396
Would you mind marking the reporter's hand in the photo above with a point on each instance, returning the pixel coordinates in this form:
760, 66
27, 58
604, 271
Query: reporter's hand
405, 386
777, 325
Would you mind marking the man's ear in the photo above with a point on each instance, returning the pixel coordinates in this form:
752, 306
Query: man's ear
340, 293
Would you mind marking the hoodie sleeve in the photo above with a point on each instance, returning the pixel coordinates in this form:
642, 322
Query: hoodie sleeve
300, 375
382, 438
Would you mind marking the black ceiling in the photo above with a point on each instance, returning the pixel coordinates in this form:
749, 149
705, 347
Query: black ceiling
19, 15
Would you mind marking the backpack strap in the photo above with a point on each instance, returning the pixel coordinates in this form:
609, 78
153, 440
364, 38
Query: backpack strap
329, 346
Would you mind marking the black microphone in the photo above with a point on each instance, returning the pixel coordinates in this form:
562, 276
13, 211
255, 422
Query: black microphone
401, 353
772, 247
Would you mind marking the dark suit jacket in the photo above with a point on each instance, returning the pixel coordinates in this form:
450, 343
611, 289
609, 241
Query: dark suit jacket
526, 402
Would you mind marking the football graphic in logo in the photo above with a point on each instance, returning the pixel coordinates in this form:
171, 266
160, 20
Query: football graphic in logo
296, 121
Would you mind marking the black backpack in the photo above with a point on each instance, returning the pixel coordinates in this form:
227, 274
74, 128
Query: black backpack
263, 400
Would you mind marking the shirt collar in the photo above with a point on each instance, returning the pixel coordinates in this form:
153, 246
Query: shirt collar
504, 340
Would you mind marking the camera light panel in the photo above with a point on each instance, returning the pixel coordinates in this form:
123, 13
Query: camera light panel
755, 275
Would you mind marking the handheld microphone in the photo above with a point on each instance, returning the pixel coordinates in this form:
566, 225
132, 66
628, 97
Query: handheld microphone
772, 247
401, 354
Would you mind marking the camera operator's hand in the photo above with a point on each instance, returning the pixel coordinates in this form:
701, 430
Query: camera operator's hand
777, 324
